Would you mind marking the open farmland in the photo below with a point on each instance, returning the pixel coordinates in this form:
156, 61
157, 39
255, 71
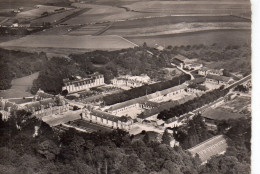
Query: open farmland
20, 87
157, 21
54, 17
37, 11
102, 13
70, 42
191, 7
177, 28
224, 37
94, 29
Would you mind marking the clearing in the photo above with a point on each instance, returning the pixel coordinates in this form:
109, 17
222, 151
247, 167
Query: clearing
20, 87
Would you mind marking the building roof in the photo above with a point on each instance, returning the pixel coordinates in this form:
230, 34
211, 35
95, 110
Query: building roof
198, 86
90, 77
157, 110
144, 99
213, 146
181, 57
220, 114
218, 78
198, 80
108, 116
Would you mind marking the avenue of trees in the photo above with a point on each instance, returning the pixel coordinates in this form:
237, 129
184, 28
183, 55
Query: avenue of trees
190, 105
15, 64
143, 90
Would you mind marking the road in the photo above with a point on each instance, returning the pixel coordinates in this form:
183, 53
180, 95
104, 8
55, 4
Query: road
186, 72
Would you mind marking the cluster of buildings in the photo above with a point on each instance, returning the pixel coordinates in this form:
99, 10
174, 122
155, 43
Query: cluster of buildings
40, 105
131, 81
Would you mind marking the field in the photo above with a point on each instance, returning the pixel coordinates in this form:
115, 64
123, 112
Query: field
54, 17
37, 11
94, 29
191, 7
224, 37
176, 28
158, 21
73, 42
20, 87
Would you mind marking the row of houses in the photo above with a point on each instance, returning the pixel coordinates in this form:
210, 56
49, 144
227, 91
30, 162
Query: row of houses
80, 84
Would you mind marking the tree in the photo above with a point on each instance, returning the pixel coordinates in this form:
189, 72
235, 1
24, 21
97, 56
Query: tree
64, 92
166, 137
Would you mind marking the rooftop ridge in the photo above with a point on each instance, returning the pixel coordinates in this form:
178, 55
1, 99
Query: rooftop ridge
212, 138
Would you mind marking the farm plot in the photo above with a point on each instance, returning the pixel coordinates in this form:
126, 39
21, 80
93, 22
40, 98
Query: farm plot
224, 37
177, 28
74, 42
101, 13
54, 17
190, 7
158, 21
37, 11
94, 29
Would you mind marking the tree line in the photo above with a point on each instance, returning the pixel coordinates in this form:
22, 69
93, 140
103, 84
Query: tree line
193, 104
143, 90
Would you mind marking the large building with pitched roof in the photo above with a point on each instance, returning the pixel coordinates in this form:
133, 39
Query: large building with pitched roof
107, 119
81, 84
214, 146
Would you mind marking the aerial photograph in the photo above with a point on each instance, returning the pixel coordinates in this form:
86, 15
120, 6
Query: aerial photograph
125, 86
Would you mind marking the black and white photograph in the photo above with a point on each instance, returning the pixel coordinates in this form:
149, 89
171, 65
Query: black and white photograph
127, 87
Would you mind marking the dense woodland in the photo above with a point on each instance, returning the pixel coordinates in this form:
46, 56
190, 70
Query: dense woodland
15, 64
116, 152
195, 103
233, 58
137, 61
238, 135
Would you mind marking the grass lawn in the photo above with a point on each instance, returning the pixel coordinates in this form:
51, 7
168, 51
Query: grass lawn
20, 87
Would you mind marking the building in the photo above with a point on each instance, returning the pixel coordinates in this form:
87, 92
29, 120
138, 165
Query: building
107, 119
42, 104
136, 106
205, 71
76, 85
192, 66
218, 80
131, 81
214, 146
179, 60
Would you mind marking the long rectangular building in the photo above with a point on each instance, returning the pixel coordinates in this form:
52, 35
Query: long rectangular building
83, 84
